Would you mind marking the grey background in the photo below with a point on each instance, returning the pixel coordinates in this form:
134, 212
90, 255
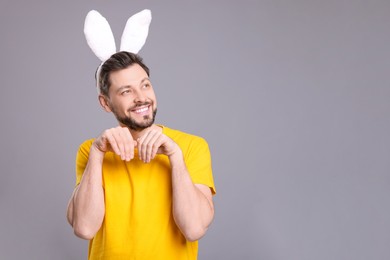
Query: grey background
292, 96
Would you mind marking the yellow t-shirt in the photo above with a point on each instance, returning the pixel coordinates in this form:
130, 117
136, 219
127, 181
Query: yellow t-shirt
138, 222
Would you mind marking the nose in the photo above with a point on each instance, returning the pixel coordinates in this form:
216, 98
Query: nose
139, 97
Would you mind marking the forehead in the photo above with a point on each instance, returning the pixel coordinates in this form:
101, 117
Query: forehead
130, 76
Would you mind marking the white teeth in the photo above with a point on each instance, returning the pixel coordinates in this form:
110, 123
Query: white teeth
141, 110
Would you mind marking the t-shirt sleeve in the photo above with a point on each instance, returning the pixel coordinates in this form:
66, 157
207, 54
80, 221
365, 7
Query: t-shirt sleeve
198, 162
82, 159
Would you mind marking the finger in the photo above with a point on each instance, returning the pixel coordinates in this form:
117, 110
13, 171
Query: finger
151, 145
110, 140
156, 146
128, 144
121, 142
144, 147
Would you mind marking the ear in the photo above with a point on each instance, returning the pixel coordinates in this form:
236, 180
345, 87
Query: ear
99, 35
105, 103
136, 31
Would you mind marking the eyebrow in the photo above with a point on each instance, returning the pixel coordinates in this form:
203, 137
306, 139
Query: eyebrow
129, 86
144, 79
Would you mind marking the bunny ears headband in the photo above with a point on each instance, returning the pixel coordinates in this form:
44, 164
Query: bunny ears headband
101, 40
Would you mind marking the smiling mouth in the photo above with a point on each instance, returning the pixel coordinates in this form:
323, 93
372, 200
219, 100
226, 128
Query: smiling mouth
141, 110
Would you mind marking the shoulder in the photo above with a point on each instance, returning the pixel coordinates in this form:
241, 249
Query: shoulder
87, 143
182, 136
185, 140
86, 146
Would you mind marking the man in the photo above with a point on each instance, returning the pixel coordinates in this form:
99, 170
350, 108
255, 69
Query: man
143, 191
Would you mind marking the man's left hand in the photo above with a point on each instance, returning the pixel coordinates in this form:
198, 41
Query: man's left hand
155, 142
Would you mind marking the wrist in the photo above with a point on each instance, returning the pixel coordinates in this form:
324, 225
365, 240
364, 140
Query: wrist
176, 155
96, 154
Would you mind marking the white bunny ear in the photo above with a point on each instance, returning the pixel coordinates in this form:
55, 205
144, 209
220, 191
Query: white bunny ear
99, 35
136, 31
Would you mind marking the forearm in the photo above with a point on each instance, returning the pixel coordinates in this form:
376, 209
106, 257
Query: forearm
192, 210
88, 200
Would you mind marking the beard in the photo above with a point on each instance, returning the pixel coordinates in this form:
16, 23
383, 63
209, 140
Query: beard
132, 123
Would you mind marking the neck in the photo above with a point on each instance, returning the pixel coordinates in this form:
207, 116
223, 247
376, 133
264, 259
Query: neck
137, 134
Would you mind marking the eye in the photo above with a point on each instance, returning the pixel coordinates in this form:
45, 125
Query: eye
125, 92
147, 85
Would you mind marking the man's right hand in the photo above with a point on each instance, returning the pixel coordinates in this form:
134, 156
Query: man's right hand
117, 140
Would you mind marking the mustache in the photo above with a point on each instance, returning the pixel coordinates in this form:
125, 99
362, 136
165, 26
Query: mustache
139, 105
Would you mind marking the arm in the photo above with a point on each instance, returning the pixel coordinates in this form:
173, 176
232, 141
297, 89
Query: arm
193, 208
86, 207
